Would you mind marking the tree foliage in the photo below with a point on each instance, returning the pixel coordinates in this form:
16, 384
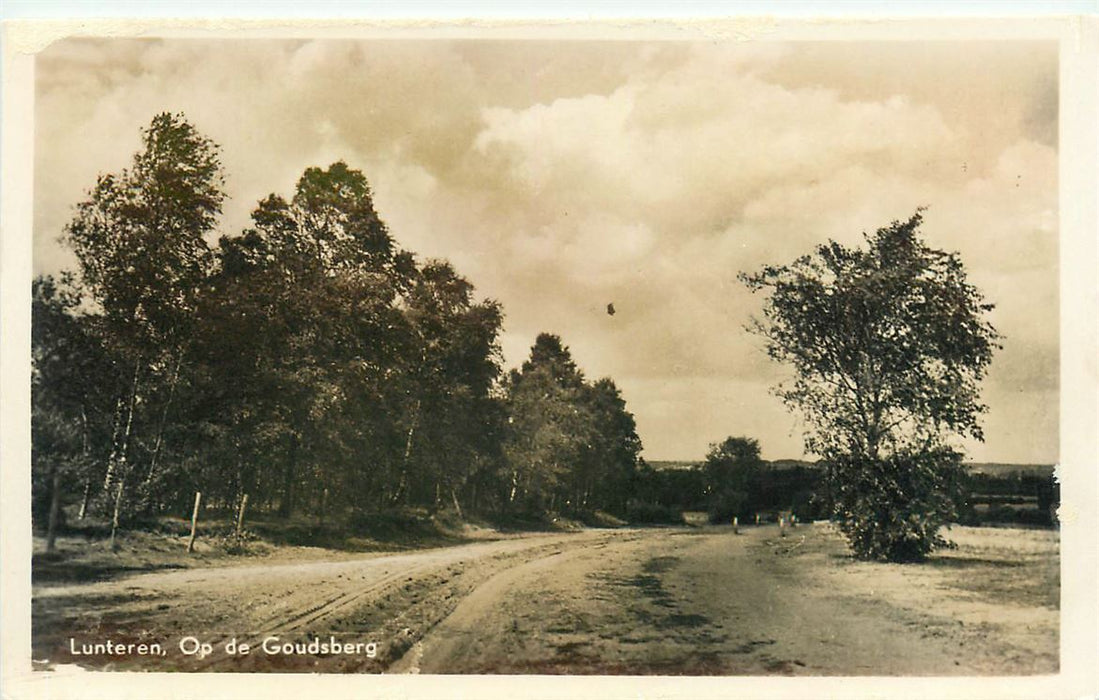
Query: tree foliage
732, 470
308, 361
569, 444
888, 344
140, 242
139, 237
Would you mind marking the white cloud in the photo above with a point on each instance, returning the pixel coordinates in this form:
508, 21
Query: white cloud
560, 178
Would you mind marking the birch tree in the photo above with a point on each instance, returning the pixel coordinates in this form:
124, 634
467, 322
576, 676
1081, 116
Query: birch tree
888, 343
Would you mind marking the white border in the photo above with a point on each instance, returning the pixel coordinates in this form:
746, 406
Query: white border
1079, 153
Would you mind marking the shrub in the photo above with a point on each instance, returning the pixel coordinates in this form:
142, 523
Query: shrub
893, 508
727, 504
641, 513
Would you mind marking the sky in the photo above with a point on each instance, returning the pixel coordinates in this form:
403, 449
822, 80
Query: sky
561, 176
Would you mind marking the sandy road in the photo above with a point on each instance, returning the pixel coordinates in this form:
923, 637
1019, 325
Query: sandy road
669, 601
707, 602
387, 599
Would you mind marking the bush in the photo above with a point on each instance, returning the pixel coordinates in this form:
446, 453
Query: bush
390, 522
892, 509
807, 506
726, 505
1005, 514
237, 543
640, 513
598, 518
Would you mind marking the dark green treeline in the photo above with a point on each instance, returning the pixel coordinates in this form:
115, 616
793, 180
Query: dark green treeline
308, 361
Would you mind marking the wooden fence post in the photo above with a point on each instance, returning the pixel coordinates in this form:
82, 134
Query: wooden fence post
240, 515
194, 522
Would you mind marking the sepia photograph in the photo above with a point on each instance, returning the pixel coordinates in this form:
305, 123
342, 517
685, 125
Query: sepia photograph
652, 354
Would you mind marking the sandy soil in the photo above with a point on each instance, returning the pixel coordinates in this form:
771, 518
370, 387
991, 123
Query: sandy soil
667, 601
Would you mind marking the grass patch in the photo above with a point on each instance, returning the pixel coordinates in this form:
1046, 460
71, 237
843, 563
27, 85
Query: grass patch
1017, 566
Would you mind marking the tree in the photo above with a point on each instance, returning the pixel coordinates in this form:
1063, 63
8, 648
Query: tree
568, 445
71, 386
354, 376
452, 372
605, 476
732, 469
308, 363
316, 376
548, 426
888, 344
140, 242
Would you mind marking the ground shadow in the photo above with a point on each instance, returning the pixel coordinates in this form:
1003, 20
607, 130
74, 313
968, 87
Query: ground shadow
966, 562
55, 569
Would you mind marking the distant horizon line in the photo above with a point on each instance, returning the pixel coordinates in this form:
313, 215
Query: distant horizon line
810, 461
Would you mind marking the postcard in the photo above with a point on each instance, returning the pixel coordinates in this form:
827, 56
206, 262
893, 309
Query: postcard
646, 359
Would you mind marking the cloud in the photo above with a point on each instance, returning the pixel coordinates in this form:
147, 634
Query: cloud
560, 177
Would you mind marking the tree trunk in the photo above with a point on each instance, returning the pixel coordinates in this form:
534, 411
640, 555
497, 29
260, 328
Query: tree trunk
286, 507
87, 495
55, 507
160, 428
116, 434
116, 466
117, 511
399, 492
194, 522
402, 485
454, 500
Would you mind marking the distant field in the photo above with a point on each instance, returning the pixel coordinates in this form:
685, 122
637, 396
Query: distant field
998, 469
996, 493
995, 469
662, 465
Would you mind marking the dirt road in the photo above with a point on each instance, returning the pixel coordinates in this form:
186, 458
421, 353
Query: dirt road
668, 601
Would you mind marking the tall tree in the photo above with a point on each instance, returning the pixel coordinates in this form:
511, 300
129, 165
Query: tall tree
889, 344
452, 374
606, 474
549, 426
321, 285
72, 385
732, 470
140, 242
309, 363
569, 444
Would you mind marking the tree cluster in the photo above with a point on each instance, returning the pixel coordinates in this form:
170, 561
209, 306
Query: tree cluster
733, 481
569, 444
308, 361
